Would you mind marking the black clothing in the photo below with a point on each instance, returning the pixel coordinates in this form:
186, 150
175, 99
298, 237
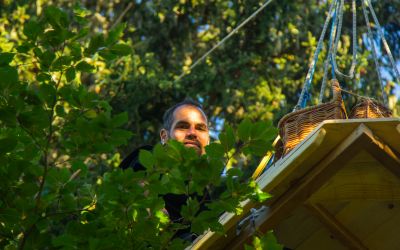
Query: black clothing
132, 160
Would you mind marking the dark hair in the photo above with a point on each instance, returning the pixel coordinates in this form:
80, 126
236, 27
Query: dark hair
168, 117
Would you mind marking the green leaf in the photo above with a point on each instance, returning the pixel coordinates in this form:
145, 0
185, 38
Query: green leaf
146, 159
80, 10
43, 77
28, 189
56, 17
244, 129
24, 47
191, 208
227, 138
56, 37
61, 62
32, 30
7, 145
64, 240
119, 137
47, 92
120, 119
262, 196
259, 147
108, 55
75, 50
8, 75
267, 241
46, 58
163, 218
81, 34
70, 74
235, 172
263, 130
60, 111
95, 44
7, 116
215, 150
121, 49
80, 165
115, 33
6, 58
84, 67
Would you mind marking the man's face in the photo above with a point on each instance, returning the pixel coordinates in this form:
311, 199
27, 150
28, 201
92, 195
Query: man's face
189, 127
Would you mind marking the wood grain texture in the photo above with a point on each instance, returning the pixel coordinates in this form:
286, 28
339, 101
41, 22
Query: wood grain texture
308, 167
336, 228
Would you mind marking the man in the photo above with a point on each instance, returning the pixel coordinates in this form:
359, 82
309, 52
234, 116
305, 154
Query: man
185, 122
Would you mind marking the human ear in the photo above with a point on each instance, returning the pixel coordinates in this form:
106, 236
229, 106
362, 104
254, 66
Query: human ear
163, 136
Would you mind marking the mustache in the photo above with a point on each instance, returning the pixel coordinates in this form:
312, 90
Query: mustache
192, 141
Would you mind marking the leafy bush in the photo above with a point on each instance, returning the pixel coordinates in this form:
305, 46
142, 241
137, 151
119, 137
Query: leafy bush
57, 134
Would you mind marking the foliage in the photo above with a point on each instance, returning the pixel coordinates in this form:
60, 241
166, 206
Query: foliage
257, 74
68, 77
52, 127
264, 242
53, 130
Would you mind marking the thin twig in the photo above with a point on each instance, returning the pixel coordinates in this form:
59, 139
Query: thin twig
30, 135
45, 159
122, 15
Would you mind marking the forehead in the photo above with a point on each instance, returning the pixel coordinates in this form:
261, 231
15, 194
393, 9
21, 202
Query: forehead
189, 113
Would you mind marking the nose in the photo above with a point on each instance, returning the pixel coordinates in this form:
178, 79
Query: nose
191, 132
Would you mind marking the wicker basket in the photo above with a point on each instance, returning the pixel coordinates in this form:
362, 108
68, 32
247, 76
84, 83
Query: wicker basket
295, 126
369, 108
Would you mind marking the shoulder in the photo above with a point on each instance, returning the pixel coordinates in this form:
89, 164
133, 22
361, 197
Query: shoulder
132, 160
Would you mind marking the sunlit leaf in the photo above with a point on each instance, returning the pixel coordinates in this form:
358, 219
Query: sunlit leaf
84, 67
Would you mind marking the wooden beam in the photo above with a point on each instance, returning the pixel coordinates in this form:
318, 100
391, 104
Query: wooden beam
306, 186
383, 153
340, 232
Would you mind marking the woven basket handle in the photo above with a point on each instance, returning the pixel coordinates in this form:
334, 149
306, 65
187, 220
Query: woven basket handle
337, 94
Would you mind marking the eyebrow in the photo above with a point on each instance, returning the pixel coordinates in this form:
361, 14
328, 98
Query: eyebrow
201, 125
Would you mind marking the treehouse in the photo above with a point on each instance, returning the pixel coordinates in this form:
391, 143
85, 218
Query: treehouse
337, 189
334, 177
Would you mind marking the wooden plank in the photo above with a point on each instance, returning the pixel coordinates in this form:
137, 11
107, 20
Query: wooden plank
365, 218
340, 232
296, 228
288, 165
384, 153
323, 239
386, 235
362, 178
309, 184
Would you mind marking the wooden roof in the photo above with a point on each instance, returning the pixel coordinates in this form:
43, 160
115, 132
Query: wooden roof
338, 189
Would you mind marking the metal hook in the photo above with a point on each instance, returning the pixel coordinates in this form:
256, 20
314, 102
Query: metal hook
250, 219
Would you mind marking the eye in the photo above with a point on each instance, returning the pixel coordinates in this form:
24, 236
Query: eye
182, 125
202, 127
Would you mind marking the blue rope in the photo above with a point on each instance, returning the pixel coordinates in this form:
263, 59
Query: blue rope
307, 93
330, 42
303, 98
307, 96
